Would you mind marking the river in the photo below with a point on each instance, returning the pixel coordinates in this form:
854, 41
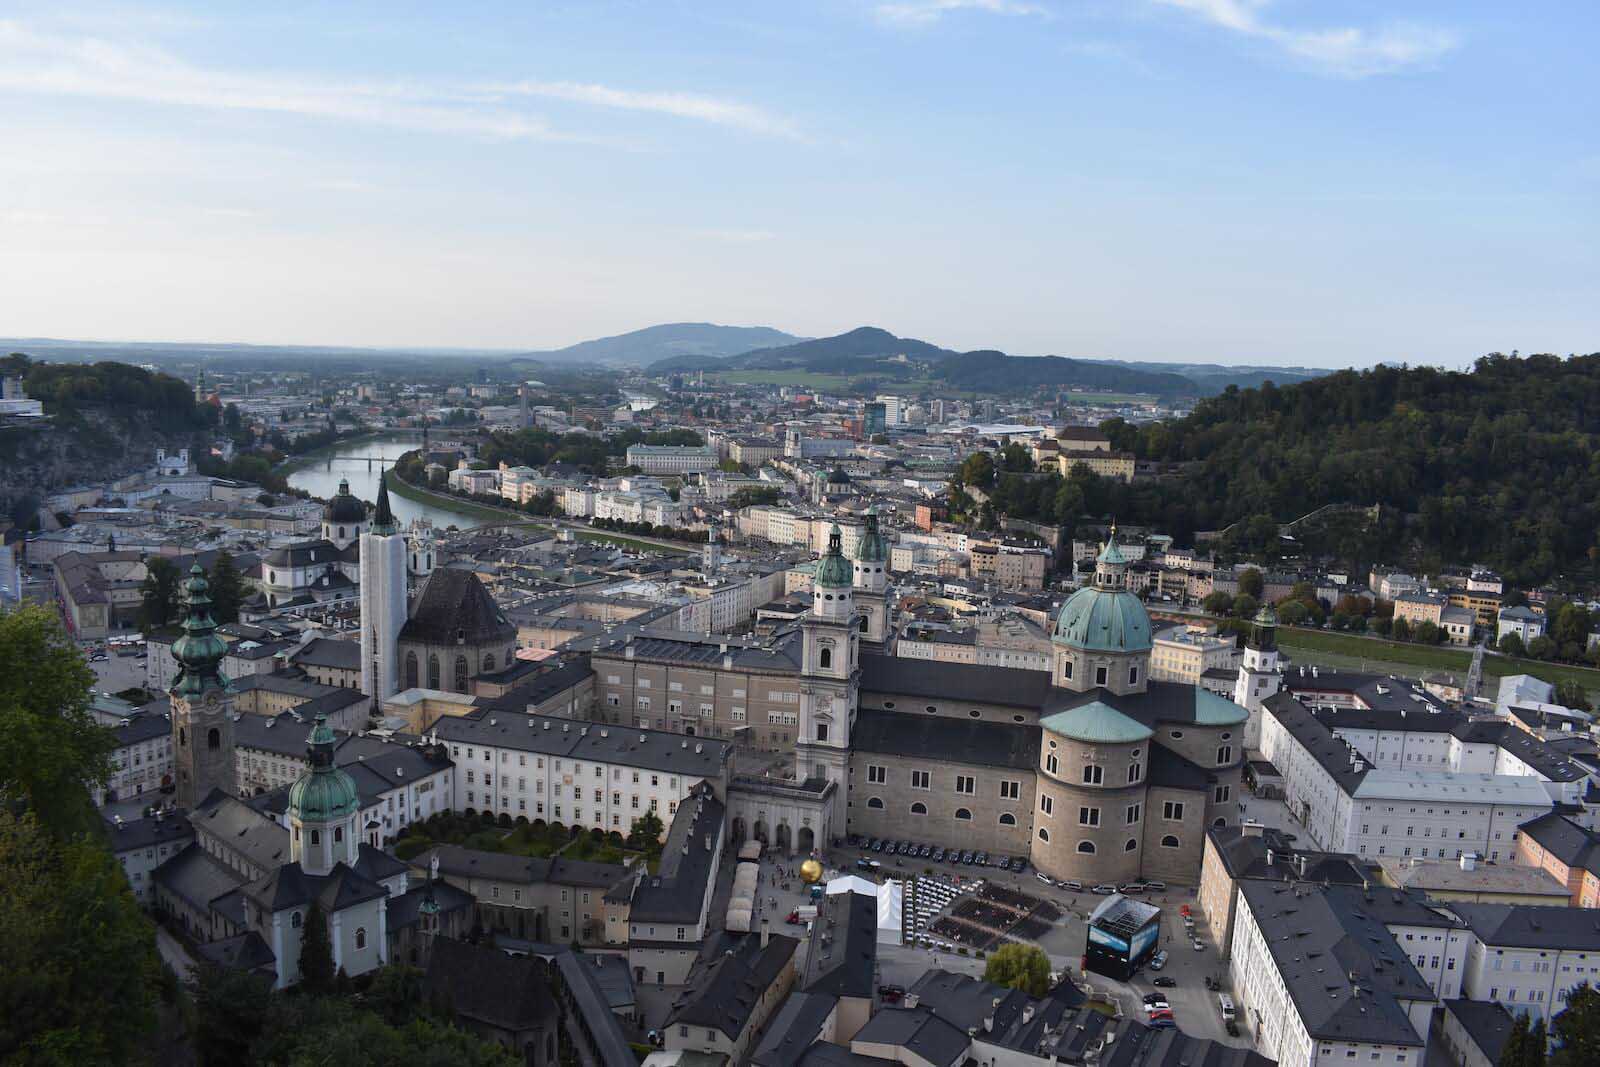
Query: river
358, 462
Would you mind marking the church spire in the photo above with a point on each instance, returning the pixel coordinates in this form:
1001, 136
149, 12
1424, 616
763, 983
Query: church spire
199, 651
383, 519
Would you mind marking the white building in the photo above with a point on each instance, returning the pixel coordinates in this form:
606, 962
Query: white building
141, 763
672, 459
1528, 957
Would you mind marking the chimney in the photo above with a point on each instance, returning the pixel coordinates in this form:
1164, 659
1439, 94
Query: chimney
1251, 828
1271, 855
766, 932
1469, 861
1027, 1014
1300, 865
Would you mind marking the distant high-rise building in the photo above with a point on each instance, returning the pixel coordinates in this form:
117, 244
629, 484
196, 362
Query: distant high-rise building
894, 410
874, 418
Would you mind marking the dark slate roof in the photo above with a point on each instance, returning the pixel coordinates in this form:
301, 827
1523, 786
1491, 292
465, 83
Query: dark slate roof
483, 984
143, 726
961, 682
594, 1009
1512, 739
454, 606
725, 986
780, 653
1339, 962
196, 878
454, 860
920, 1032
328, 652
1171, 771
657, 750
1245, 856
1532, 926
243, 952
242, 828
552, 678
613, 977
306, 554
289, 886
1565, 840
1486, 1022
143, 833
843, 950
678, 890
967, 1002
402, 911
937, 737
793, 1029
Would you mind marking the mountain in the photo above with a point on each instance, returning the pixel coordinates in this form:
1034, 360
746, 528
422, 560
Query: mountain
674, 340
1013, 374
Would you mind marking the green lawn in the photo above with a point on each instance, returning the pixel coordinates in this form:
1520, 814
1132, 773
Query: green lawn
1378, 653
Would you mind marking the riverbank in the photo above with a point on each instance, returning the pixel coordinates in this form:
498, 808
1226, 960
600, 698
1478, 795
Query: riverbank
1378, 654
306, 459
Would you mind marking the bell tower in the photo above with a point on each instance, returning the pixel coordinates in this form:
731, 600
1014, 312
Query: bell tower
202, 703
829, 680
383, 601
1259, 674
870, 584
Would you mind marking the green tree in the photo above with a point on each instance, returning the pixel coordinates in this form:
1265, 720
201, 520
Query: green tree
80, 969
231, 1010
227, 588
1251, 583
1576, 1031
1218, 603
1427, 633
977, 469
160, 594
316, 952
1571, 694
1018, 966
646, 831
1511, 644
50, 745
1541, 647
1245, 606
1401, 630
1292, 613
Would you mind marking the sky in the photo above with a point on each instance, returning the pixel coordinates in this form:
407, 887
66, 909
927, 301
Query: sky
1311, 182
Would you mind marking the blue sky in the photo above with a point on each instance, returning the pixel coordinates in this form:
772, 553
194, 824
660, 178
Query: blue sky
1291, 181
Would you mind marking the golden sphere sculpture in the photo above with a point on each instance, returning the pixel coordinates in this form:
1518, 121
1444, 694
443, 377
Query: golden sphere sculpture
810, 872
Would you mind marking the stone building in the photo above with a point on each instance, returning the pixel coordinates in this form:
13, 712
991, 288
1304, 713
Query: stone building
456, 632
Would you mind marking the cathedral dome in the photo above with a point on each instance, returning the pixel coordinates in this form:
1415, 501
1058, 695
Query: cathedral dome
871, 548
1105, 617
325, 793
833, 570
344, 507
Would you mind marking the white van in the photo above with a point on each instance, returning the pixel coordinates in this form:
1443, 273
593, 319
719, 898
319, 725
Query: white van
1226, 1003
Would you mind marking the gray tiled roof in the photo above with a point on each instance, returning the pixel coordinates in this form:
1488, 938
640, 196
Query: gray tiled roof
936, 737
924, 1035
793, 1029
842, 954
454, 860
143, 833
693, 757
1532, 926
678, 891
725, 986
962, 682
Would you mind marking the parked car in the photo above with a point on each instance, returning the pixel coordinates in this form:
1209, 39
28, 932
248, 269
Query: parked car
982, 859
1161, 1013
1043, 879
1164, 1022
925, 851
1076, 887
1199, 945
1155, 1000
966, 857
1232, 1028
1156, 887
891, 993
938, 854
1104, 890
793, 918
1131, 887
1164, 982
1159, 960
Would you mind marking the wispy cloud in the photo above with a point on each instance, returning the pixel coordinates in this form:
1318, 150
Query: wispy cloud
46, 63
1343, 51
736, 237
923, 12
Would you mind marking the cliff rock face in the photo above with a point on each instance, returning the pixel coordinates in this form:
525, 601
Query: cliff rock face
89, 448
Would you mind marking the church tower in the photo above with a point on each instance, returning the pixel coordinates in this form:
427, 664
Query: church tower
323, 809
202, 703
383, 601
870, 584
829, 680
1259, 674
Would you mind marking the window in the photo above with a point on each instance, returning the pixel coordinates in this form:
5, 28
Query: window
1133, 674
1007, 819
1047, 804
1224, 754
1169, 842
433, 671
1044, 835
1052, 764
488, 663
1131, 845
461, 674
877, 775
1222, 793
822, 731
1093, 774
967, 784
919, 780
825, 659
875, 802
1135, 772
1133, 812
213, 738
963, 814
1172, 811
1100, 676
1088, 816
295, 920
361, 937
1086, 847
919, 808
411, 670
1010, 790
1066, 669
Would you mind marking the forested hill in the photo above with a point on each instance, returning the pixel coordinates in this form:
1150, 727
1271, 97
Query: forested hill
1499, 465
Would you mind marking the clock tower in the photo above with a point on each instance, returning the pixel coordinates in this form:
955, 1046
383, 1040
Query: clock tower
829, 680
202, 703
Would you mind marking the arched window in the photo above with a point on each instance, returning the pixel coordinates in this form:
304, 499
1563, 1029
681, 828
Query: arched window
433, 671
1044, 835
213, 738
361, 937
963, 814
316, 837
488, 663
1132, 845
461, 674
1052, 764
1007, 819
338, 834
1086, 847
1169, 842
863, 624
341, 531
1219, 822
919, 808
411, 670
875, 802
825, 658
295, 920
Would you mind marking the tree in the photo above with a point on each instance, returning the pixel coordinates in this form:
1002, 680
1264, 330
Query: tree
160, 593
50, 745
1576, 1030
1511, 644
81, 970
1251, 583
1570, 694
1245, 606
1541, 647
1383, 625
1218, 603
977, 469
227, 588
316, 952
1017, 966
1427, 633
646, 831
1401, 629
1292, 613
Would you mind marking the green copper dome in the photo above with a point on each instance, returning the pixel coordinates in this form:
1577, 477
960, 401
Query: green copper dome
1104, 620
871, 548
199, 651
1096, 723
325, 793
833, 570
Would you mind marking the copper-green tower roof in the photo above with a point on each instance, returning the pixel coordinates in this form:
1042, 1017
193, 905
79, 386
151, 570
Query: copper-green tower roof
324, 793
383, 521
871, 548
833, 571
199, 651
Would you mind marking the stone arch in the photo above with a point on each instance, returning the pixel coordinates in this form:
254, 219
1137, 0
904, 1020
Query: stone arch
875, 802
1170, 841
738, 830
411, 670
783, 840
964, 814
919, 808
761, 832
805, 840
1007, 819
1086, 848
